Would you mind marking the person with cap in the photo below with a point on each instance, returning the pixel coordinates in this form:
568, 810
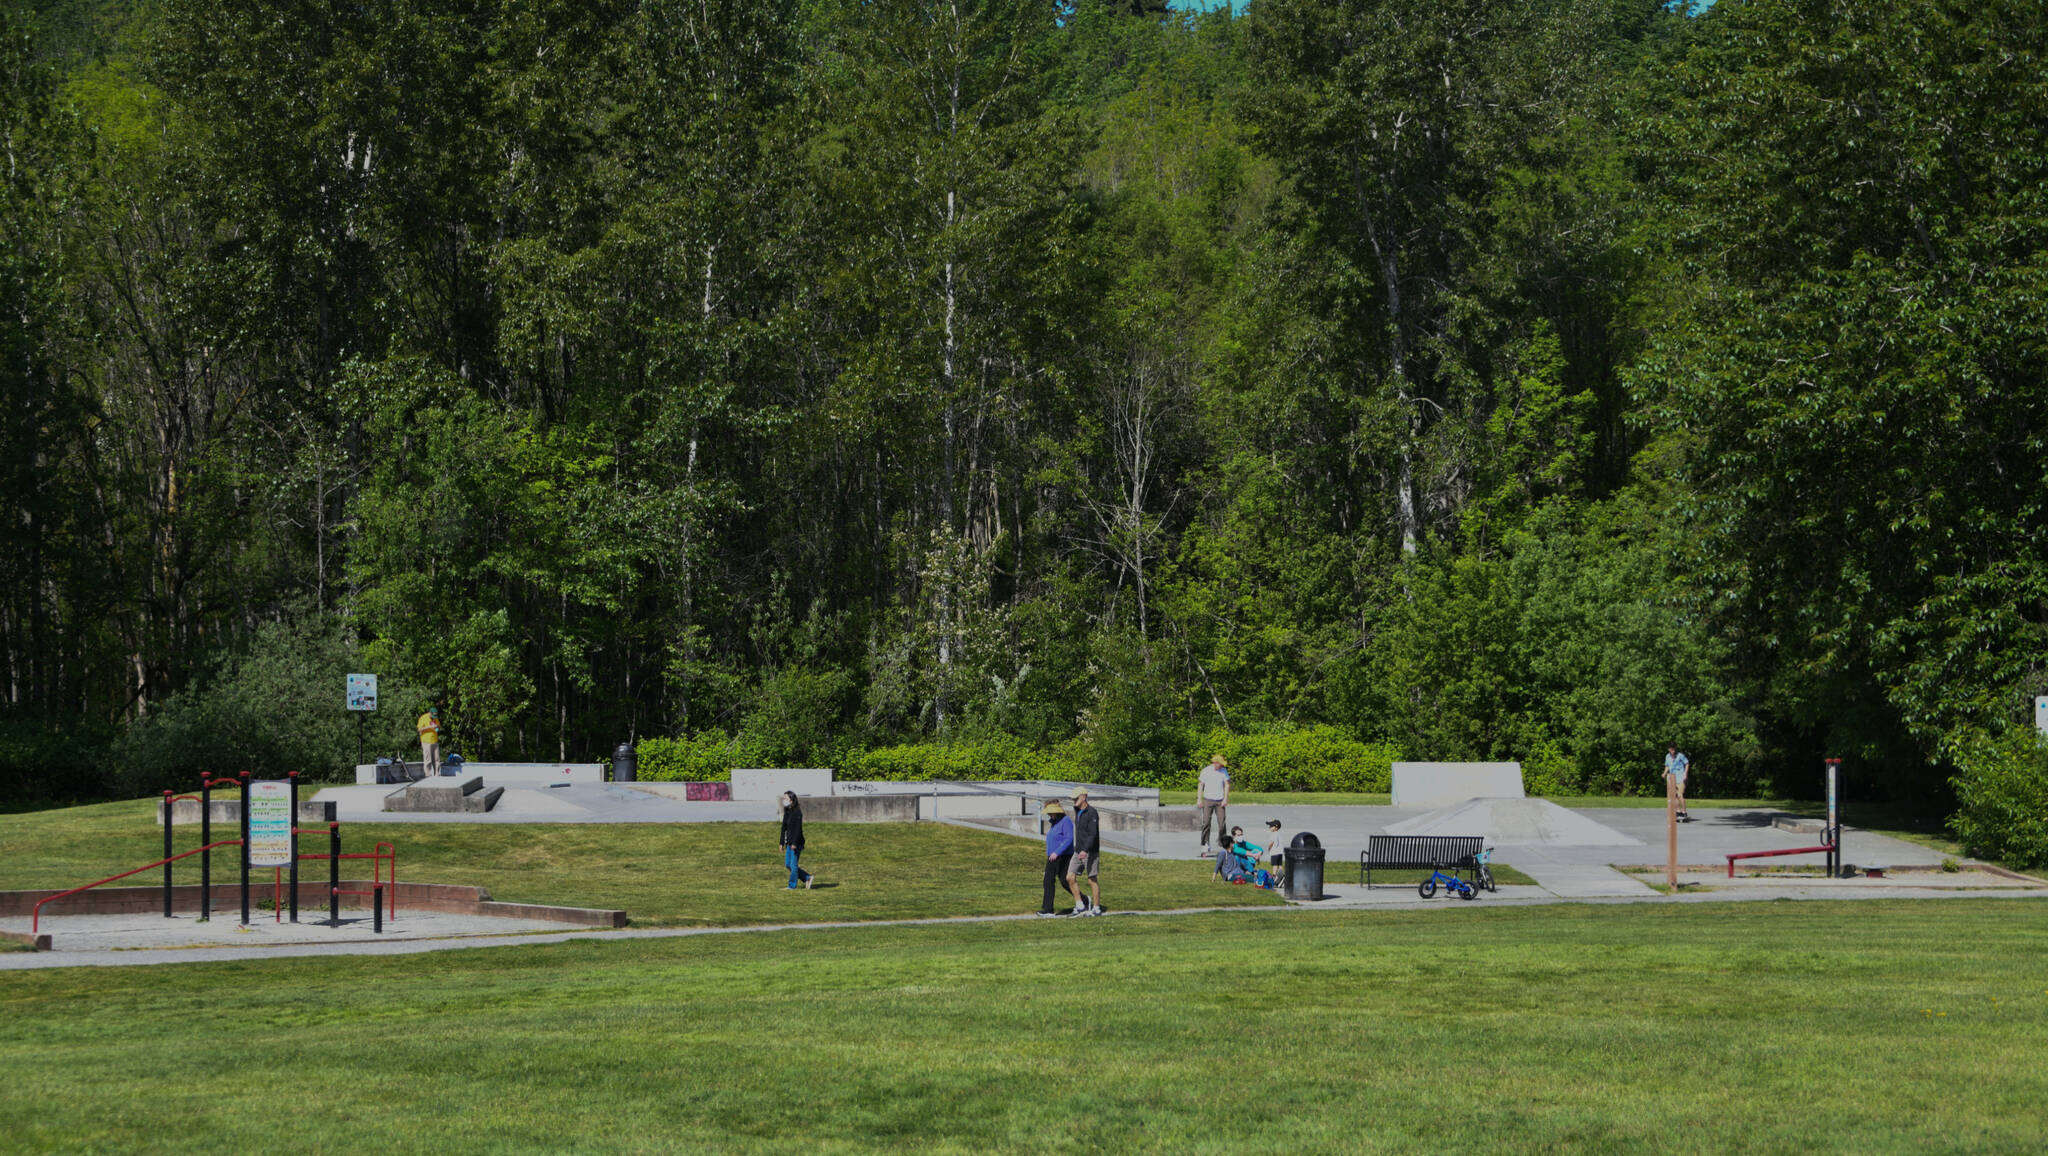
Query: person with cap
430, 740
1087, 861
1212, 800
1059, 851
1276, 852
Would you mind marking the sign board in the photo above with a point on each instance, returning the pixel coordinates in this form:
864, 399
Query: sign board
2041, 713
362, 692
270, 823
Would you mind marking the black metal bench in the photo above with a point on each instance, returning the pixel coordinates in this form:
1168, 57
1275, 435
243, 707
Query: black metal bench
1424, 852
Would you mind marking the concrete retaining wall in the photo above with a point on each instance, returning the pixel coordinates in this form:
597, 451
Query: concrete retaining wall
861, 809
1441, 784
227, 901
761, 784
227, 813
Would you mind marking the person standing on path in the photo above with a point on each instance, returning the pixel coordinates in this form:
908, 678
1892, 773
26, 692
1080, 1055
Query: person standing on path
1212, 800
430, 740
1087, 861
793, 842
1675, 767
1059, 852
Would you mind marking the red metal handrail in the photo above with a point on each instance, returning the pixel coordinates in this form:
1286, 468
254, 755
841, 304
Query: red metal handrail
383, 851
36, 916
1824, 847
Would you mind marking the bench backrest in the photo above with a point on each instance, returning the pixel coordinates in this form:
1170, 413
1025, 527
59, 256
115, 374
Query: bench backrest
1421, 850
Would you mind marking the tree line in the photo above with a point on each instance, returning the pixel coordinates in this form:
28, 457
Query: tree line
794, 379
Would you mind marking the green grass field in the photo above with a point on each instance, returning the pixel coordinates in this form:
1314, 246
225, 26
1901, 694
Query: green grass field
660, 874
1791, 1027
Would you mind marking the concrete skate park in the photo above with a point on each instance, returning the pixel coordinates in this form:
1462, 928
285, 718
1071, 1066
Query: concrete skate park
1600, 854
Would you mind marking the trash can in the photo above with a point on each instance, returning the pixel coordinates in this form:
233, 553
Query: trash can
1304, 868
625, 764
451, 765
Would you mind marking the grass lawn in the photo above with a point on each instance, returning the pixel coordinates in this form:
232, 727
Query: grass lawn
1869, 1027
660, 874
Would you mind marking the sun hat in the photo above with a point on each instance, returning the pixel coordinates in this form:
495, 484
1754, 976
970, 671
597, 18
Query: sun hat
1052, 807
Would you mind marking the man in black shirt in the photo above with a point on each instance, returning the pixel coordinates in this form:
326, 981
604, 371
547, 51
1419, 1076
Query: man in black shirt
1087, 862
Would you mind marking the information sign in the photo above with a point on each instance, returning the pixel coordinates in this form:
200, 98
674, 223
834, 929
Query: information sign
270, 823
362, 692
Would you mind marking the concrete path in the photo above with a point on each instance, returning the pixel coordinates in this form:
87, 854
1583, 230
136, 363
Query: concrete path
1569, 880
1341, 897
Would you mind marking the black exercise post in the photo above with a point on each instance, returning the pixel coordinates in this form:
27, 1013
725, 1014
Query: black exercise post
206, 841
293, 827
377, 909
168, 852
245, 848
334, 874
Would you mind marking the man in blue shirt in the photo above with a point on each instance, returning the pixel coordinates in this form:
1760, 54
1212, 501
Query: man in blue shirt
1059, 851
1675, 766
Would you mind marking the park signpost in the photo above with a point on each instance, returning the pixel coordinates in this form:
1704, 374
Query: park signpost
362, 699
267, 831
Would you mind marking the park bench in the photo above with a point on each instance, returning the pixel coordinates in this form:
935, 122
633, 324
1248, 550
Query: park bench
1417, 852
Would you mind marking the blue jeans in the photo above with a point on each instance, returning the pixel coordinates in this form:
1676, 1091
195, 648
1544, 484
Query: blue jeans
797, 875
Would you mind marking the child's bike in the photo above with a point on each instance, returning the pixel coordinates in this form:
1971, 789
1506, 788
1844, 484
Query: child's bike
1482, 875
1450, 882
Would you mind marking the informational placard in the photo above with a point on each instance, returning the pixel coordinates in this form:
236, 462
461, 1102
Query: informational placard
2041, 713
270, 823
362, 692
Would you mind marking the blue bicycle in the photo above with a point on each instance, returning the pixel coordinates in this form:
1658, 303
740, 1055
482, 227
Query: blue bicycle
1450, 882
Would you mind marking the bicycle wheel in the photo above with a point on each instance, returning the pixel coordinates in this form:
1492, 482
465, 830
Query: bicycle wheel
1486, 878
1427, 887
1469, 893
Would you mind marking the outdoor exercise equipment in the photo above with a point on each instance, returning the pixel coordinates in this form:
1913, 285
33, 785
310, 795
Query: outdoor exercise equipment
1831, 835
277, 836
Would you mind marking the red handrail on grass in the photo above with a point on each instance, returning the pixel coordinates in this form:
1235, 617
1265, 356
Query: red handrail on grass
36, 916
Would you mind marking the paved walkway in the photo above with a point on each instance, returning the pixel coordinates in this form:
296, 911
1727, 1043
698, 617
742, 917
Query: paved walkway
356, 939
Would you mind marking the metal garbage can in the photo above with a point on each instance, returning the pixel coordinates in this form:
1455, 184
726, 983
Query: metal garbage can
1304, 868
625, 764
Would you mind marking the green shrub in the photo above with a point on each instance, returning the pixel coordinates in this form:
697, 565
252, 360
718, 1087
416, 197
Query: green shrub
2002, 798
705, 758
1316, 758
996, 757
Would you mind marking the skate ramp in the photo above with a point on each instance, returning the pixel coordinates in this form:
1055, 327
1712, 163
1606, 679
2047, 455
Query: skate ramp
1515, 823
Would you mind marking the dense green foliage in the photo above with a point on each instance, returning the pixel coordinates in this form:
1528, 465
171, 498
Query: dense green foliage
1082, 385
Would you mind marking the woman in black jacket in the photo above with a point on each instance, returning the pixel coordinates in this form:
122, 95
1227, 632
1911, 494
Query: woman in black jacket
793, 841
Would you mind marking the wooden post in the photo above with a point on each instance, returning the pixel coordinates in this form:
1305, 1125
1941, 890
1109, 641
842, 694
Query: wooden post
1671, 833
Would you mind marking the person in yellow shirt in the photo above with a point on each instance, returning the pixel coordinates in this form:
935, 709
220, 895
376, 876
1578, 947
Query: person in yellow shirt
430, 740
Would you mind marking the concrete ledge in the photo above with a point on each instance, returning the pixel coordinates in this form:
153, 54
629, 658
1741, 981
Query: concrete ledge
436, 795
480, 801
32, 942
861, 809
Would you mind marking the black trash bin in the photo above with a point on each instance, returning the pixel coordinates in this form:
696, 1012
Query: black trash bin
625, 764
1304, 868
